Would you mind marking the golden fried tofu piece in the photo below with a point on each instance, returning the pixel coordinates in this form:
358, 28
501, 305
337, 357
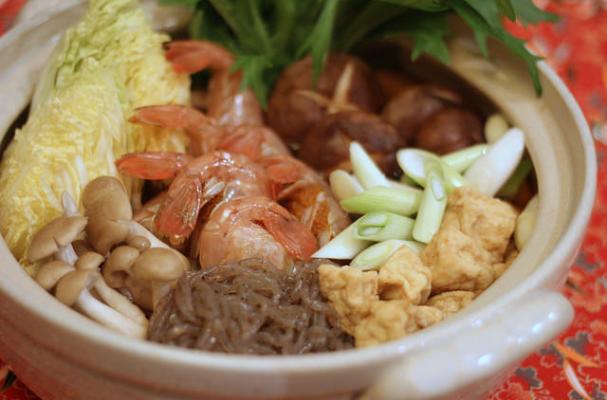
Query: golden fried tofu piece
350, 291
404, 277
451, 302
473, 236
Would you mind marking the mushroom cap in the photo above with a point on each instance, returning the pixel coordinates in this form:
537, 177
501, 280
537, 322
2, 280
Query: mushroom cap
71, 285
50, 273
58, 233
118, 265
90, 261
141, 243
81, 247
103, 234
106, 197
161, 265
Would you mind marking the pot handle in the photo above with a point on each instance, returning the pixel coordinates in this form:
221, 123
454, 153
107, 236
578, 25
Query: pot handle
490, 347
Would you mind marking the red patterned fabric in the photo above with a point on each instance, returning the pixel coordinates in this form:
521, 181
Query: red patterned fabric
574, 366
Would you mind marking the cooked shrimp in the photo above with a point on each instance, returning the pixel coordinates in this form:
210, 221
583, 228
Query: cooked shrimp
305, 194
254, 227
198, 182
207, 135
227, 103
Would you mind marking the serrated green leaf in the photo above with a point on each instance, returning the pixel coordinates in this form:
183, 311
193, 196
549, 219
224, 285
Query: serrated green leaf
528, 13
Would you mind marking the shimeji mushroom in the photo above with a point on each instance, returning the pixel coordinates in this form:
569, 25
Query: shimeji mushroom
73, 277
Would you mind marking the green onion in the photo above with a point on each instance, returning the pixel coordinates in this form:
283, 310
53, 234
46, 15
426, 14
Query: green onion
495, 127
525, 223
416, 247
492, 170
402, 185
382, 226
344, 185
343, 246
379, 199
365, 169
413, 161
432, 207
376, 255
462, 159
513, 184
405, 180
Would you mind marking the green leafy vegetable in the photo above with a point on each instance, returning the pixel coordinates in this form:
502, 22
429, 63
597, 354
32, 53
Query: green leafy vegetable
268, 35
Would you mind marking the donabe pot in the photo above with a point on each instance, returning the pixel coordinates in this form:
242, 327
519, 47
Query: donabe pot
62, 355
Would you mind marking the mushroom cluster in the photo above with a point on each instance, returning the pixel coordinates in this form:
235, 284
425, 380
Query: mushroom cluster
104, 264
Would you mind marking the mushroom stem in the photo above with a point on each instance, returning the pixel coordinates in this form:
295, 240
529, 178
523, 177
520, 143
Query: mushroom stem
67, 254
120, 303
70, 209
108, 316
136, 229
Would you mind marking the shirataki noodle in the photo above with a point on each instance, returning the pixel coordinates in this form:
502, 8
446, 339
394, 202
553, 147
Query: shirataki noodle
249, 307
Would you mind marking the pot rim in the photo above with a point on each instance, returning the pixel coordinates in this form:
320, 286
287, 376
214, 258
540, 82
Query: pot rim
149, 351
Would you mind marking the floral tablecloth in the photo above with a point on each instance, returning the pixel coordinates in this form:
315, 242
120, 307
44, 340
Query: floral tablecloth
575, 365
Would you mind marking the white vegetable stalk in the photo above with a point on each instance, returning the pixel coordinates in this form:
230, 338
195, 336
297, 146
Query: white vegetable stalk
343, 185
375, 256
344, 246
461, 160
413, 162
365, 169
491, 171
525, 223
382, 199
495, 127
432, 207
382, 226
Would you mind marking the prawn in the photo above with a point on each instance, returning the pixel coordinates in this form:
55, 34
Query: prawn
196, 183
254, 227
228, 104
305, 194
207, 135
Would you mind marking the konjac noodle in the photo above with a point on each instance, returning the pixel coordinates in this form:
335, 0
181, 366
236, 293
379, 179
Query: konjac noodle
249, 307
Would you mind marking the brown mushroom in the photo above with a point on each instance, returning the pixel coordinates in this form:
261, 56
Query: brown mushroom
449, 130
106, 197
160, 269
58, 233
49, 274
71, 285
104, 234
408, 110
392, 83
90, 261
293, 107
81, 247
118, 265
326, 146
141, 243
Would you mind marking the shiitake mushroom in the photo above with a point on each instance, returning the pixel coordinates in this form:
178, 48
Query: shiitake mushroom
448, 130
408, 110
326, 145
295, 104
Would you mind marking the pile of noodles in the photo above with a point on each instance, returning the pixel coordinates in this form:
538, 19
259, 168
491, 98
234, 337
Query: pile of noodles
250, 308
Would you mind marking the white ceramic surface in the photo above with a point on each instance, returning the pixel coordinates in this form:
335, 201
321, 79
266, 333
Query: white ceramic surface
62, 355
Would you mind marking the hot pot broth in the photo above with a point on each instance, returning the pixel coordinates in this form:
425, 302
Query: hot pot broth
245, 222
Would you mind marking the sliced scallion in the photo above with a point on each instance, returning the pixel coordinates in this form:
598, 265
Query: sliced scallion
399, 201
344, 246
376, 255
512, 186
491, 171
381, 226
461, 160
413, 162
495, 127
432, 206
344, 185
525, 223
365, 169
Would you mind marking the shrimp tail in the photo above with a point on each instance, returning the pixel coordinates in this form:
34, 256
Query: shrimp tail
170, 116
294, 236
152, 165
191, 56
178, 214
